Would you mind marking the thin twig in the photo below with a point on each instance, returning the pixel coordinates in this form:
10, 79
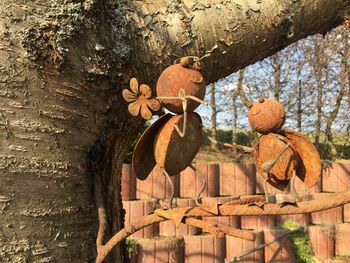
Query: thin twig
246, 149
204, 184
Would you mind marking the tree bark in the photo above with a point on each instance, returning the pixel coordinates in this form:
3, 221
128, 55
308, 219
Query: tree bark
213, 112
276, 64
343, 78
317, 67
63, 66
240, 89
299, 110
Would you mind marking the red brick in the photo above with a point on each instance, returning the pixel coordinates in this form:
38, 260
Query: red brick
258, 222
342, 239
136, 209
330, 216
237, 179
212, 175
160, 250
299, 219
279, 251
346, 213
322, 241
204, 249
190, 183
232, 221
156, 185
128, 183
168, 228
302, 189
236, 246
336, 178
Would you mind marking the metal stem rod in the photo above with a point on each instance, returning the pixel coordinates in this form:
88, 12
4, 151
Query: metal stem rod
239, 257
171, 188
204, 184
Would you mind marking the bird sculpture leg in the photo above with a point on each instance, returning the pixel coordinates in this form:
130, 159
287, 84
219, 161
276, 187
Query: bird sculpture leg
204, 184
292, 187
265, 189
171, 188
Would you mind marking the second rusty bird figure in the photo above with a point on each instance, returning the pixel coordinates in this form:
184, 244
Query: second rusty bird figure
281, 154
172, 141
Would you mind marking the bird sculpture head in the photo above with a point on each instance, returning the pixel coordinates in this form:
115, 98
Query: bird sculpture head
266, 115
183, 77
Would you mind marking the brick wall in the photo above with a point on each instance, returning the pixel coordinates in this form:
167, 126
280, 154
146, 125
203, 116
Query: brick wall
329, 230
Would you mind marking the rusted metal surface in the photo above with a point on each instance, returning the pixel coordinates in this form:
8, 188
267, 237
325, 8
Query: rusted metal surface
246, 200
175, 78
266, 149
140, 100
309, 161
311, 206
143, 160
171, 142
173, 152
266, 115
277, 164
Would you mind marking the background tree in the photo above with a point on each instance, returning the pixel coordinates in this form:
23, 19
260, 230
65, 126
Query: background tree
213, 107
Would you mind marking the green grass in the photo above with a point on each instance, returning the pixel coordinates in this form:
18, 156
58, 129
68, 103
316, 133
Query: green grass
131, 246
347, 256
301, 243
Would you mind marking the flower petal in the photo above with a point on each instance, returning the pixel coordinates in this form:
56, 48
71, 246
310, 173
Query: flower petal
153, 104
134, 108
145, 91
128, 95
145, 112
134, 85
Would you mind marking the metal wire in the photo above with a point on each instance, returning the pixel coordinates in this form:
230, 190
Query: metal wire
171, 188
204, 184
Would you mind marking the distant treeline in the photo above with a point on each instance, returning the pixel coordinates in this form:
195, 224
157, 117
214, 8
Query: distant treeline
249, 138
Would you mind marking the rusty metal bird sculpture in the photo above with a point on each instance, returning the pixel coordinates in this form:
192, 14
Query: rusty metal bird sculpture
281, 154
172, 141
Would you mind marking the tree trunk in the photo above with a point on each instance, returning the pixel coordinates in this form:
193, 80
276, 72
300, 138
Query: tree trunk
276, 64
63, 66
213, 113
240, 89
57, 104
317, 66
240, 92
343, 78
299, 111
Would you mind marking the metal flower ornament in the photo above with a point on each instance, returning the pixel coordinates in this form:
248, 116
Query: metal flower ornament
140, 100
173, 140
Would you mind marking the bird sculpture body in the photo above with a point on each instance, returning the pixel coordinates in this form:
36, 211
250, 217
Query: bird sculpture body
281, 154
172, 141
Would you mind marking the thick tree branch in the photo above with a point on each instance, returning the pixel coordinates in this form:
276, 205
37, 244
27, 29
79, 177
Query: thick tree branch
233, 34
